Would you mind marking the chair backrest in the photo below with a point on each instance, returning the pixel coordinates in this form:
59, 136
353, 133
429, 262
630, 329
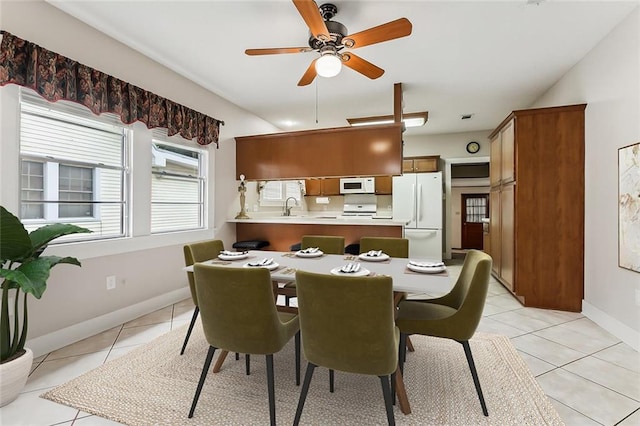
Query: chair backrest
238, 309
469, 293
394, 247
328, 244
347, 323
198, 252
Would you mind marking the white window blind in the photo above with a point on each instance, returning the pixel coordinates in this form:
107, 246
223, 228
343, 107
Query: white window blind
178, 186
276, 192
73, 168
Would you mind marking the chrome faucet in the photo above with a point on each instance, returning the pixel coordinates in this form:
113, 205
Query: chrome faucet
287, 209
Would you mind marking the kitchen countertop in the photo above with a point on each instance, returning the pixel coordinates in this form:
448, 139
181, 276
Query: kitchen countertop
325, 220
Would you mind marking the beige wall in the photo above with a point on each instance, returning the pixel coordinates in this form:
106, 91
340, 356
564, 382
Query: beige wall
608, 80
147, 267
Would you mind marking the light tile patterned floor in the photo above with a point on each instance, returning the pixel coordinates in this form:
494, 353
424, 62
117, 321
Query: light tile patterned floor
591, 377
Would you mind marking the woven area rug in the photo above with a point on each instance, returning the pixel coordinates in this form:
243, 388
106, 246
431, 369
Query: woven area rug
154, 385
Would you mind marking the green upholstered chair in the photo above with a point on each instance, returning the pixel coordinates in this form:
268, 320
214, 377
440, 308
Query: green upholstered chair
198, 252
453, 316
353, 332
328, 244
394, 247
249, 324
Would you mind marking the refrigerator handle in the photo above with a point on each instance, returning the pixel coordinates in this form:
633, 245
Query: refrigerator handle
413, 203
419, 202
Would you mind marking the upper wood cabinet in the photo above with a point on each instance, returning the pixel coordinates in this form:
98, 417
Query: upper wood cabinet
537, 206
495, 164
344, 151
322, 186
502, 168
507, 146
420, 164
384, 185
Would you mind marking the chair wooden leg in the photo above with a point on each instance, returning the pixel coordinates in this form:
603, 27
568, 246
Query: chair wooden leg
193, 321
331, 381
386, 392
237, 356
247, 363
203, 375
303, 393
474, 374
297, 343
272, 390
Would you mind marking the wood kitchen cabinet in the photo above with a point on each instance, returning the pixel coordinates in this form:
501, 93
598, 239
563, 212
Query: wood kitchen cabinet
537, 206
322, 186
420, 164
342, 151
384, 185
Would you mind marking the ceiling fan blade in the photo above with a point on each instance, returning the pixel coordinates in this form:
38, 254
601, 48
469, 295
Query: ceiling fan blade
311, 15
385, 32
309, 74
277, 50
364, 67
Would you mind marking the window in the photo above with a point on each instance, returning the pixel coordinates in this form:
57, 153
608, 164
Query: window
73, 168
275, 192
178, 186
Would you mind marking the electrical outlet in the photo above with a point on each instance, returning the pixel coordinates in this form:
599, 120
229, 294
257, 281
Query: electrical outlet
111, 282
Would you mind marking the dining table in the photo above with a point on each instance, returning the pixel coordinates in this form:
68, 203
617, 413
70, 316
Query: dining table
406, 278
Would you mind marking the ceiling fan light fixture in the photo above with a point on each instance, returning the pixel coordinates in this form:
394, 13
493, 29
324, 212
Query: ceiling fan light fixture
328, 65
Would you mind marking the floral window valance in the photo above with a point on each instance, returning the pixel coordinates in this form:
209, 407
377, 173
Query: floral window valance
56, 77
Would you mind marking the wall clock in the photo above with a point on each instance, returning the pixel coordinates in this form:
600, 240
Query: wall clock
473, 147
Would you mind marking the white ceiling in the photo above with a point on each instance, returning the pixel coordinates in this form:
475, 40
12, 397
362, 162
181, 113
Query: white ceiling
479, 57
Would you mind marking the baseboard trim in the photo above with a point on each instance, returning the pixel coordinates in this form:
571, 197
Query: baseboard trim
66, 336
612, 325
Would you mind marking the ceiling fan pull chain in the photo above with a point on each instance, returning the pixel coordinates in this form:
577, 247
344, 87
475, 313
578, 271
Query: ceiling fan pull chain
316, 101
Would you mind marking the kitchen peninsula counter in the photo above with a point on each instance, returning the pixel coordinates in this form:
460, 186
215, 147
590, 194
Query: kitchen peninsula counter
284, 231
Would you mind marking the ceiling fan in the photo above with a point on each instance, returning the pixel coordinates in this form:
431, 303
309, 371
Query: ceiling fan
329, 38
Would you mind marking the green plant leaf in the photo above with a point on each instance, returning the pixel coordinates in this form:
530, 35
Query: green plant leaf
37, 272
14, 239
14, 278
43, 235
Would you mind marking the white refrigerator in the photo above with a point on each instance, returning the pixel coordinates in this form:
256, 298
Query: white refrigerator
418, 201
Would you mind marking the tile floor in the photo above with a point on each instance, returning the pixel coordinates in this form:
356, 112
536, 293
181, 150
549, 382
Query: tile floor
591, 377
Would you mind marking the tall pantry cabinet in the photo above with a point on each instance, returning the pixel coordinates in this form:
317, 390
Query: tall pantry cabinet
537, 206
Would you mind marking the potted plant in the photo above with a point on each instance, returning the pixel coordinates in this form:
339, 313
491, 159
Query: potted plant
24, 271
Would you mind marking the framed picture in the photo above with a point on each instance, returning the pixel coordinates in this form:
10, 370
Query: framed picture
629, 207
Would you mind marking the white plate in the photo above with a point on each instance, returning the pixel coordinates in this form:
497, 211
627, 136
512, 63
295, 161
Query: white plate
427, 270
381, 258
314, 254
238, 256
270, 266
362, 272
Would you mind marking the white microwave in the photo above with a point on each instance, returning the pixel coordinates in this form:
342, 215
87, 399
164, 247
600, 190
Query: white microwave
363, 185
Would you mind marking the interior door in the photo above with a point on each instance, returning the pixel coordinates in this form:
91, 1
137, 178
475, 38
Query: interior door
475, 207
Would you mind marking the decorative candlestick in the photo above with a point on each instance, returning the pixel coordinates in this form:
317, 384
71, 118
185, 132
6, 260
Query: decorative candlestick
242, 189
